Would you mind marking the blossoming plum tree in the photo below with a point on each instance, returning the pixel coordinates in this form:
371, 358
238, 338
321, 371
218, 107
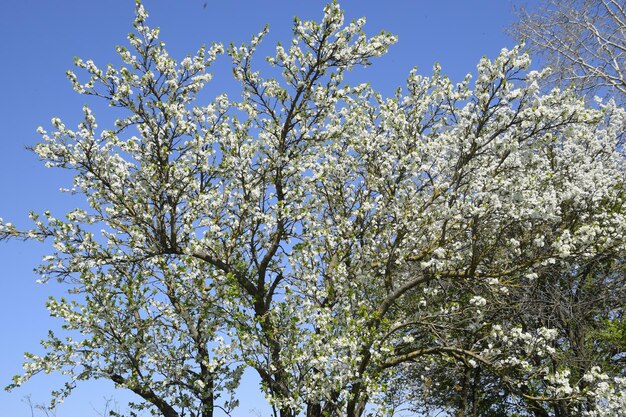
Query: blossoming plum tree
320, 234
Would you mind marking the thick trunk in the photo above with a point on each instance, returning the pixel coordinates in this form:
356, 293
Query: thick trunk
356, 406
208, 402
463, 395
208, 394
286, 412
314, 410
475, 392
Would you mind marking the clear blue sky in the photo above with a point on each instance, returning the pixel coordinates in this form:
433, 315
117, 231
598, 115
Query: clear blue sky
40, 38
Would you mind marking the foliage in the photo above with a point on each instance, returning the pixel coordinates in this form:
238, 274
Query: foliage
326, 237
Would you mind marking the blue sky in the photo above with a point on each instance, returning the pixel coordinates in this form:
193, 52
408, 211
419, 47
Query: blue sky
38, 42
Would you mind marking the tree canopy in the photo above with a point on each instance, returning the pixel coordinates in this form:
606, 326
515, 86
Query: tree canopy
456, 247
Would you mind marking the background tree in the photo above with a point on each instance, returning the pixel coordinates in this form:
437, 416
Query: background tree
321, 234
583, 41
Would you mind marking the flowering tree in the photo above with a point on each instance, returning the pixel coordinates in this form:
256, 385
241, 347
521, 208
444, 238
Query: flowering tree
318, 233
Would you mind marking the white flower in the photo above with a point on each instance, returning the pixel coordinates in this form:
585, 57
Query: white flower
478, 301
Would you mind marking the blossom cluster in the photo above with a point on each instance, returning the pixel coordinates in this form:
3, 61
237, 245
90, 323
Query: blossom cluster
327, 237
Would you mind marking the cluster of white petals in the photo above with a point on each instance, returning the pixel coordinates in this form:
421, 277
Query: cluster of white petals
329, 238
